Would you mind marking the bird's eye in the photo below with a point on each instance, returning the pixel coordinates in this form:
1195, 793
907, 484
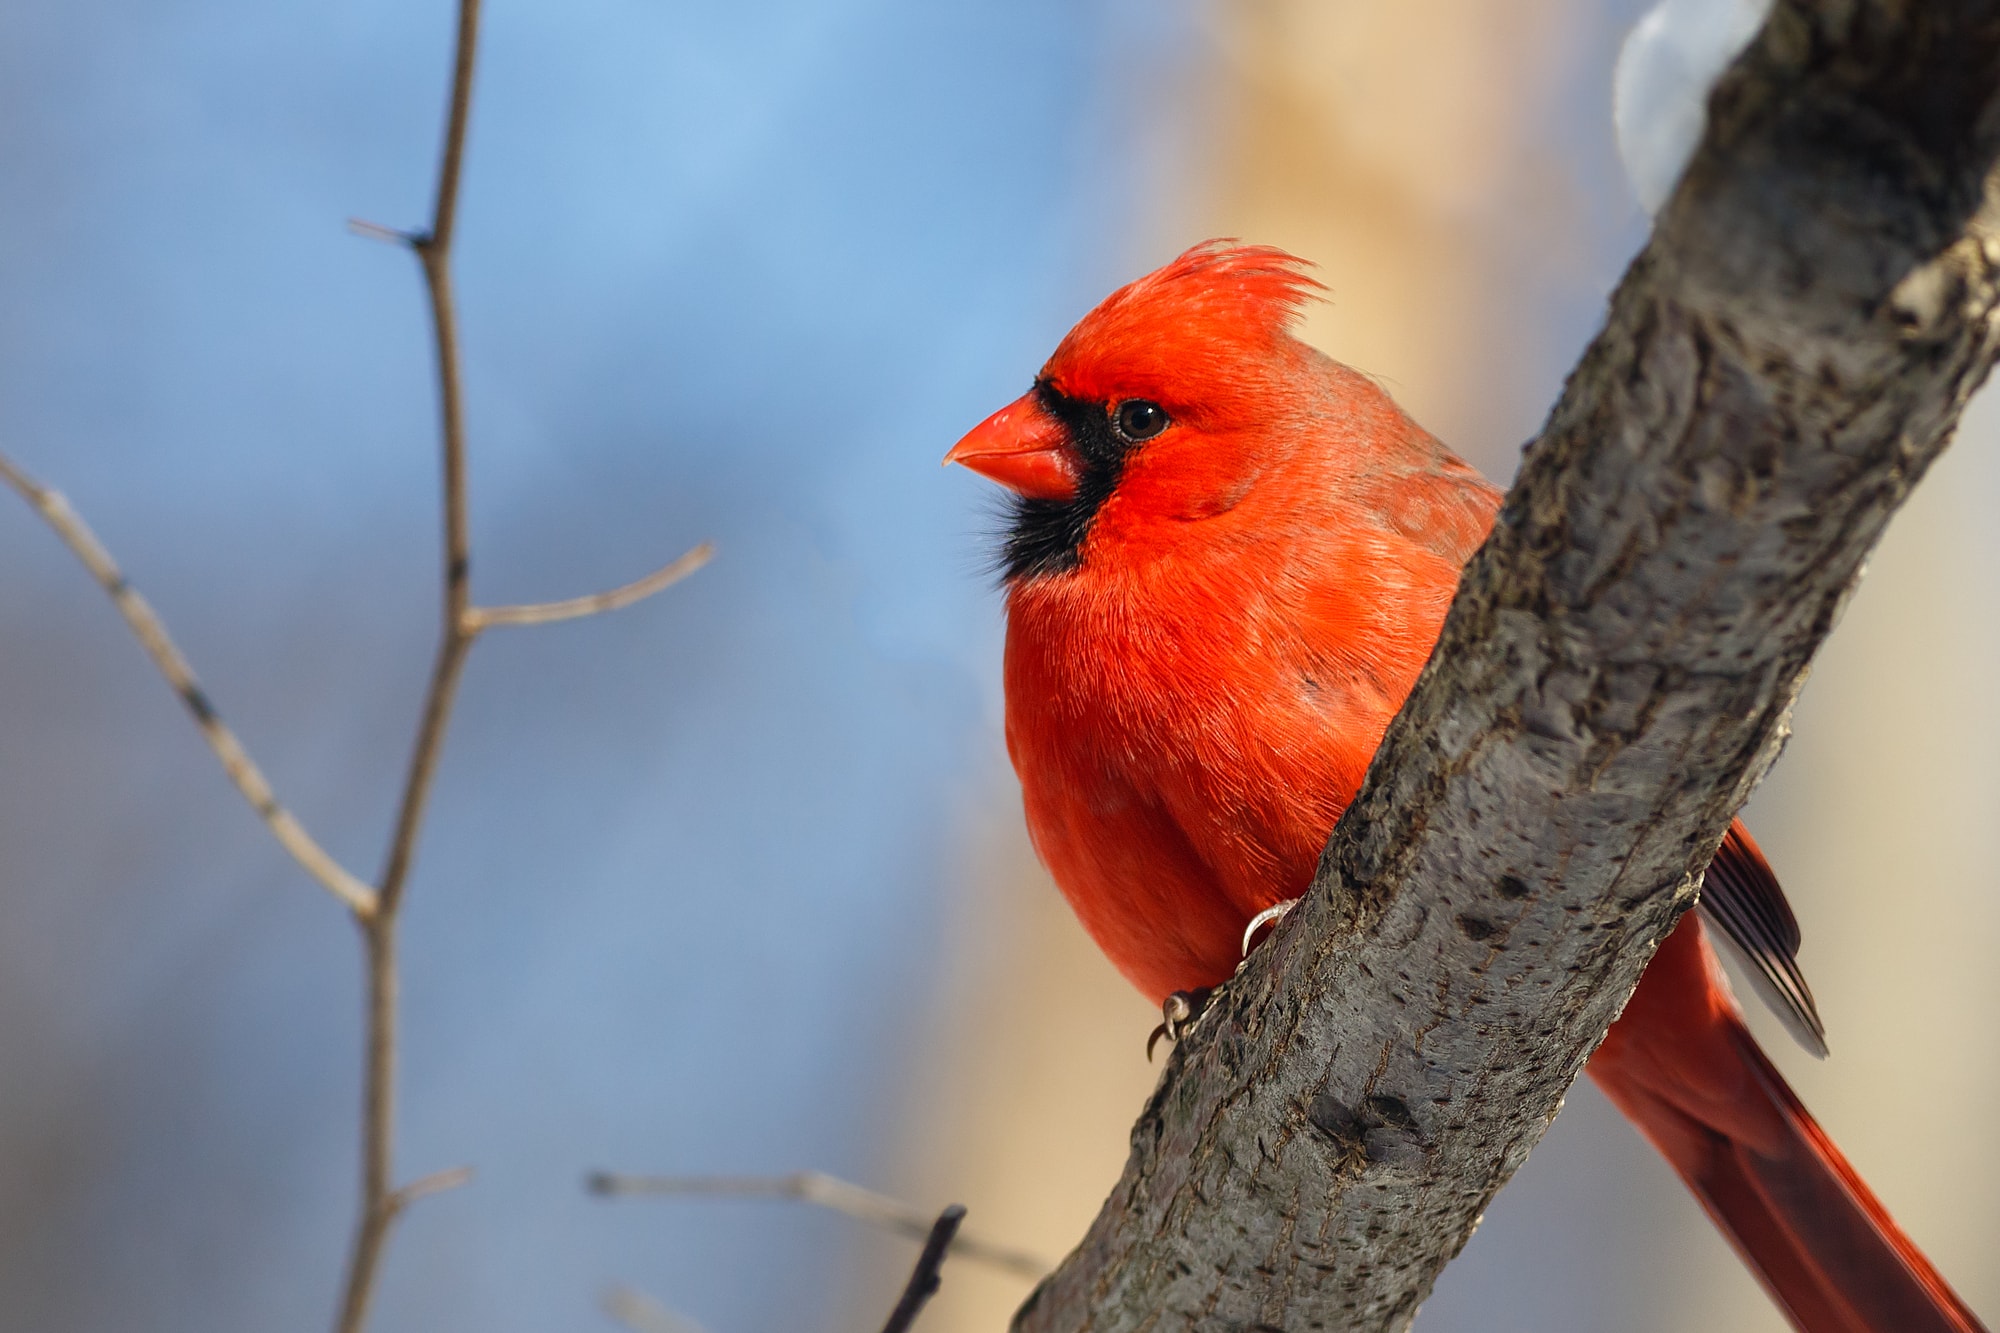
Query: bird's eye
1139, 419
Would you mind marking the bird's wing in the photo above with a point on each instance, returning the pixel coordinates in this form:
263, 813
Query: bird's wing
1443, 505
1741, 898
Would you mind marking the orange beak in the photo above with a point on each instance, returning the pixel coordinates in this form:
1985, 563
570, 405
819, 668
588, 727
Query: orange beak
1022, 448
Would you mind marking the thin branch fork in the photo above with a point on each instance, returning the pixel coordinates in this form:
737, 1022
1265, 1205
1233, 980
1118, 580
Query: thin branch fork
375, 909
1776, 371
381, 1203
357, 896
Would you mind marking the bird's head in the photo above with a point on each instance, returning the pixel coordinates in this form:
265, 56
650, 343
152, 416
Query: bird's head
1162, 407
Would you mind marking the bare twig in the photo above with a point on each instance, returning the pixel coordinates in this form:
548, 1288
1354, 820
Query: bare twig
925, 1278
575, 608
380, 1201
437, 1182
152, 635
642, 1314
461, 625
375, 231
444, 213
826, 1191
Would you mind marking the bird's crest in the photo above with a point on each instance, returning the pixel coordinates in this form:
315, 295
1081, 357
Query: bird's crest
1218, 302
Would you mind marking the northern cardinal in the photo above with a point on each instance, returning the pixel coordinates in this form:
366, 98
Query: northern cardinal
1228, 558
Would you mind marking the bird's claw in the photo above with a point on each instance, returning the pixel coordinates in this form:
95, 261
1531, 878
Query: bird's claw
1178, 1012
1183, 1009
1270, 916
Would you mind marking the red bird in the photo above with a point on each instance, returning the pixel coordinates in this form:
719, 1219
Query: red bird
1229, 557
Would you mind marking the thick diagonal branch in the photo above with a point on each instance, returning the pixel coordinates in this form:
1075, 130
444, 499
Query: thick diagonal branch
1776, 371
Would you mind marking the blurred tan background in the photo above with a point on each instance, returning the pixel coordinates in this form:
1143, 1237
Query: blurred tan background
1439, 160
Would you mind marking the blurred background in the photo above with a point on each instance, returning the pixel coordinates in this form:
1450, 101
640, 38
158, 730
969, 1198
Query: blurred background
734, 881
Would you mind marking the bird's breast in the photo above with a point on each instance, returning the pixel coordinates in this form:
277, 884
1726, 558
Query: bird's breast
1183, 753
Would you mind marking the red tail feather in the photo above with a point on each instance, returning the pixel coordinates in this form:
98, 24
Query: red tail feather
1681, 1065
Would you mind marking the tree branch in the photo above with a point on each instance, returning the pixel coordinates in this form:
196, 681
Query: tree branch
375, 910
152, 634
816, 1187
925, 1277
1776, 371
460, 627
437, 1182
575, 608
381, 1202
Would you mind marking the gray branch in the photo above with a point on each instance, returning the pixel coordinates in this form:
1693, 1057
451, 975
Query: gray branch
1777, 369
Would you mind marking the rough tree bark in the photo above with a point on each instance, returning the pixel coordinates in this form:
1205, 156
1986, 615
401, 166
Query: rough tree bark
1777, 369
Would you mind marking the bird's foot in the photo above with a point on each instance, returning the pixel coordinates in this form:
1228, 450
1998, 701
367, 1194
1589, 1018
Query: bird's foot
1270, 916
1179, 1012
